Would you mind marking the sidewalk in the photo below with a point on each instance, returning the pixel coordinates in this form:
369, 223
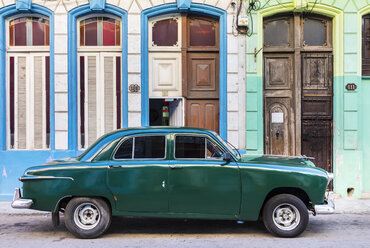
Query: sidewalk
342, 206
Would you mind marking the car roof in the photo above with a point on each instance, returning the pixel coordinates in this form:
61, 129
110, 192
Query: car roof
158, 129
99, 143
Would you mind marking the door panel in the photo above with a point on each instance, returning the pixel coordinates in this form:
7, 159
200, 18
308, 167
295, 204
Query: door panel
28, 100
316, 142
202, 76
92, 69
277, 126
278, 97
139, 186
317, 73
278, 71
165, 74
203, 114
205, 187
99, 95
317, 108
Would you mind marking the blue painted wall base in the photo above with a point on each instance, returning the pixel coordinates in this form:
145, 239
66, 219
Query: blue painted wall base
14, 163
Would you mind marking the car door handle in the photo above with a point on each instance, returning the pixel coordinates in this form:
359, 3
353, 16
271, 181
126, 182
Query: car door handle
114, 166
176, 167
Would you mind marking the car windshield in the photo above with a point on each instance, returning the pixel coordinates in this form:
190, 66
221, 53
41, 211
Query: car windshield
95, 148
228, 145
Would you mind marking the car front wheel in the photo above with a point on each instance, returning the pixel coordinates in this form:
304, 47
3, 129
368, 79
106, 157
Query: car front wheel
87, 217
285, 215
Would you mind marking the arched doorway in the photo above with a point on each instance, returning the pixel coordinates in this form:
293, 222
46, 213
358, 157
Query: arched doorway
298, 87
28, 82
184, 71
99, 77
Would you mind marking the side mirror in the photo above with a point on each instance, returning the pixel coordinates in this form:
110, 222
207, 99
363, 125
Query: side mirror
227, 157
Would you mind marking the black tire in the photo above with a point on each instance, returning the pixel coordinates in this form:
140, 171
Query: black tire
285, 216
87, 218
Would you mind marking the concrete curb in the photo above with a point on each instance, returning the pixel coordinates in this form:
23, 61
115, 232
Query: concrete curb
352, 206
342, 206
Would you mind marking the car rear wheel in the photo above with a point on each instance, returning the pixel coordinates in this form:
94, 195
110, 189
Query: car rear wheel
285, 215
87, 217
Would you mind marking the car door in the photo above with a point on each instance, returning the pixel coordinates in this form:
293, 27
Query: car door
138, 172
200, 181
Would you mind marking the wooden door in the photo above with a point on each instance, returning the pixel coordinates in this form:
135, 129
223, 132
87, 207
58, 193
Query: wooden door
201, 82
278, 107
317, 113
298, 87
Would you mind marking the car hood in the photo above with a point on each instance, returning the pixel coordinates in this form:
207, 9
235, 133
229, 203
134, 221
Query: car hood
294, 161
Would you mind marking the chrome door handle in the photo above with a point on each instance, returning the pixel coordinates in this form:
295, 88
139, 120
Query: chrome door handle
114, 166
176, 167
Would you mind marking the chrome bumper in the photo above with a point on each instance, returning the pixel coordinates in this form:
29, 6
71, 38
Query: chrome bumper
328, 208
18, 202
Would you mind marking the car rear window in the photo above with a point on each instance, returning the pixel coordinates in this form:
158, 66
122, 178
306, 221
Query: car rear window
143, 147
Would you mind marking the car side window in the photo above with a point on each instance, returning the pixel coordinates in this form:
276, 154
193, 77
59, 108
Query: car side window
125, 150
142, 147
195, 147
189, 147
213, 151
150, 147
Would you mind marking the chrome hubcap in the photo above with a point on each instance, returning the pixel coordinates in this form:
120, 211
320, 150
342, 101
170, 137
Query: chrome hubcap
87, 216
286, 217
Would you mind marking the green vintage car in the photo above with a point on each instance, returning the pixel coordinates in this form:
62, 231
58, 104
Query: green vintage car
177, 173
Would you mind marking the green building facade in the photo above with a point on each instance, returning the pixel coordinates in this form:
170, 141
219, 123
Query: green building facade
350, 148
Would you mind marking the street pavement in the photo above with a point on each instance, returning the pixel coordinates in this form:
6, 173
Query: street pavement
349, 227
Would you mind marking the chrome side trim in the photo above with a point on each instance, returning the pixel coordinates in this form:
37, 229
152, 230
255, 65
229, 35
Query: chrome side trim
43, 178
286, 156
18, 202
328, 208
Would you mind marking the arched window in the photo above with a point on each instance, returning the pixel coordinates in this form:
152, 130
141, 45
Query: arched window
29, 31
99, 79
28, 82
100, 31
